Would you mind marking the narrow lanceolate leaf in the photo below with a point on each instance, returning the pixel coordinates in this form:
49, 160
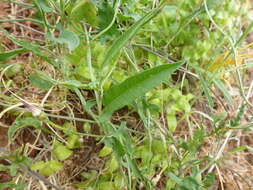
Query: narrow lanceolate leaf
224, 90
40, 81
36, 49
135, 86
5, 56
206, 91
123, 39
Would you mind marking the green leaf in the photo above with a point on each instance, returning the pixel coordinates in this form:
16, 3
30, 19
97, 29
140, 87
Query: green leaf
206, 91
14, 169
157, 147
5, 56
36, 49
49, 168
55, 165
190, 183
118, 147
11, 185
39, 81
209, 180
172, 122
72, 84
175, 178
45, 82
76, 57
105, 17
84, 10
61, 152
105, 151
42, 4
38, 165
123, 39
13, 70
112, 165
217, 82
106, 185
66, 37
224, 90
135, 86
72, 141
23, 122
239, 149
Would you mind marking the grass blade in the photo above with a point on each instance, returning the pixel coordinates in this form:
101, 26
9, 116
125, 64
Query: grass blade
123, 39
206, 91
224, 90
5, 56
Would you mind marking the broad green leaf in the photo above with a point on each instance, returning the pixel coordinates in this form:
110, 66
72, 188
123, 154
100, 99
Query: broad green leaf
5, 56
135, 86
61, 152
123, 39
84, 10
54, 165
105, 151
72, 141
112, 165
23, 122
38, 165
119, 181
105, 17
48, 168
39, 81
76, 57
66, 37
106, 185
157, 147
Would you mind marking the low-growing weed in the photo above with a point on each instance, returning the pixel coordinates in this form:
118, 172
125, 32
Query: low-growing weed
123, 94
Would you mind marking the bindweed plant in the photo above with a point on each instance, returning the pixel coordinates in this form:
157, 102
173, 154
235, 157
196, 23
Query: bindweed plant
132, 85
